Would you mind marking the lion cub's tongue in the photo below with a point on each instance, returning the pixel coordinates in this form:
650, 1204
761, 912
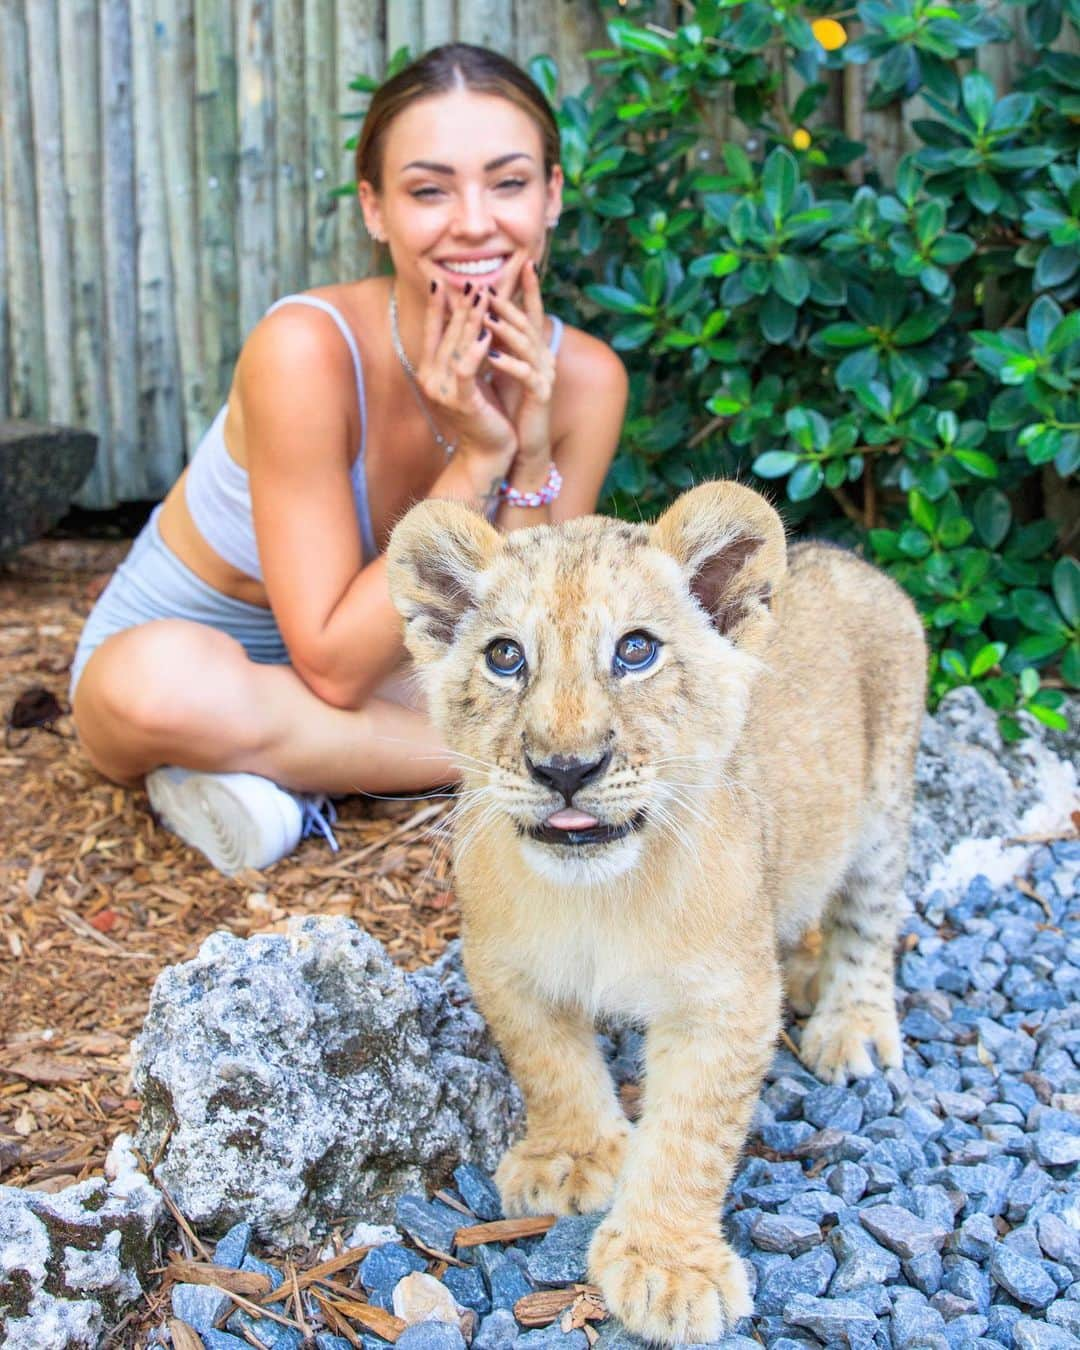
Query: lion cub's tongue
569, 819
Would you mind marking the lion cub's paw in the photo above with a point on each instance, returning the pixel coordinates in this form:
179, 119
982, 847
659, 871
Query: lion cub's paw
669, 1291
545, 1176
834, 1043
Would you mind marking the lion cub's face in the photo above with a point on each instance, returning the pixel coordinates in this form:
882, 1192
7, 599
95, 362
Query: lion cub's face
592, 676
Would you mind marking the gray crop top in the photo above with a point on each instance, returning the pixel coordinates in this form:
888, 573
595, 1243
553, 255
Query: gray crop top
217, 490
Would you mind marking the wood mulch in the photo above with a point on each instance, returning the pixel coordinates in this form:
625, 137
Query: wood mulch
95, 898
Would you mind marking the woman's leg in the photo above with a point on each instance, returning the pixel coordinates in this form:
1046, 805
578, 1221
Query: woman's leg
177, 692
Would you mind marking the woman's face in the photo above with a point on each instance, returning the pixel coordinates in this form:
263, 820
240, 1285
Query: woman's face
464, 198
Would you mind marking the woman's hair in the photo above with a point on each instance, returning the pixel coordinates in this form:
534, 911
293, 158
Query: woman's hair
456, 65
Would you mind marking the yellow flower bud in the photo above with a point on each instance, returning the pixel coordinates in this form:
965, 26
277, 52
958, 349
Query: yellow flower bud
829, 33
800, 139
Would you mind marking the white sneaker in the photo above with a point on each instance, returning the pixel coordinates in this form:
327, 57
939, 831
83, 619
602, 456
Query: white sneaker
237, 820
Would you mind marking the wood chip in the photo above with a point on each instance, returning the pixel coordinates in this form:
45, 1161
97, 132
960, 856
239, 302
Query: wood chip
503, 1230
183, 1337
324, 1268
374, 1319
248, 1282
543, 1307
47, 1069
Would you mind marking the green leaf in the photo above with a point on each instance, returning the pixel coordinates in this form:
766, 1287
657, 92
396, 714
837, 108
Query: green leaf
923, 324
983, 192
979, 98
805, 482
775, 463
1065, 583
612, 297
987, 658
922, 511
981, 465
1048, 717
992, 514
1037, 611
846, 335
631, 38
790, 278
779, 179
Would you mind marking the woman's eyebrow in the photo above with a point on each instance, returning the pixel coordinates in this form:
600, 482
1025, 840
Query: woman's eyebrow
491, 165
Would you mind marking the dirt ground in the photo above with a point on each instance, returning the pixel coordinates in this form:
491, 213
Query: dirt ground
95, 898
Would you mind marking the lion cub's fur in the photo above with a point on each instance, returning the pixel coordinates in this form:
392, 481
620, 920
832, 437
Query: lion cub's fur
770, 748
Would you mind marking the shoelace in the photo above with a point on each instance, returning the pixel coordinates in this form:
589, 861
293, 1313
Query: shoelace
317, 815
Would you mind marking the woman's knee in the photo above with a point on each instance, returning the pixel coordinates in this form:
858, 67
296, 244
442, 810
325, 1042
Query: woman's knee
166, 679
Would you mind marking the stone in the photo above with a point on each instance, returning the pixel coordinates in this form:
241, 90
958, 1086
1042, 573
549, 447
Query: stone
1028, 1334
431, 1336
231, 1249
213, 1339
1065, 1313
199, 1305
1024, 1279
554, 1337
42, 467
419, 1297
836, 1321
1055, 1148
924, 1272
427, 1221
901, 1231
466, 1283
562, 1255
847, 1180
806, 1274
1060, 1242
478, 1191
498, 1331
298, 1076
785, 1233
384, 1266
73, 1261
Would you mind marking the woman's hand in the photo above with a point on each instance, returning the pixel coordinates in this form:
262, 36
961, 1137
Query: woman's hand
465, 408
519, 350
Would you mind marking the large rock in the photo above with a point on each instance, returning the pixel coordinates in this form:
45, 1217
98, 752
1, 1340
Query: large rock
974, 793
297, 1078
71, 1262
41, 469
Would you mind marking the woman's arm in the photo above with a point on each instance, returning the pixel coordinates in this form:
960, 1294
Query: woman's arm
592, 392
293, 383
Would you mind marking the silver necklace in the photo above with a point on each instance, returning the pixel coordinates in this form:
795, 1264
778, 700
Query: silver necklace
447, 447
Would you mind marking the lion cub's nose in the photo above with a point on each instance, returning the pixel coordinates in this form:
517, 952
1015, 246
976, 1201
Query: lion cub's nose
566, 774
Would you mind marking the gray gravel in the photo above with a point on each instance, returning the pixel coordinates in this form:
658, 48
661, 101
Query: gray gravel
932, 1207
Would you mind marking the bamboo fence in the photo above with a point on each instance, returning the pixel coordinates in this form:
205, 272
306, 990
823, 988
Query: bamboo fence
167, 170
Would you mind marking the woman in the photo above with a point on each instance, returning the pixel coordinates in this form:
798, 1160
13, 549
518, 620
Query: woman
246, 654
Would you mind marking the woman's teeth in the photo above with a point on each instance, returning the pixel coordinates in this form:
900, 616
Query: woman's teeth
480, 268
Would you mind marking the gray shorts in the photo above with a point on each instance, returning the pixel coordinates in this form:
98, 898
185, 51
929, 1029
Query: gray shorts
152, 583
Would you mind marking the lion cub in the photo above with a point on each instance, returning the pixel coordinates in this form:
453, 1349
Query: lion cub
683, 749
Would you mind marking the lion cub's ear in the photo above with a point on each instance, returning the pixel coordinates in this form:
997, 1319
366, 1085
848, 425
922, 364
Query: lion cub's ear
730, 543
433, 561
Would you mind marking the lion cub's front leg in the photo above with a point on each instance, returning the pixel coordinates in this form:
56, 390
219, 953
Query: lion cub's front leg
660, 1257
576, 1133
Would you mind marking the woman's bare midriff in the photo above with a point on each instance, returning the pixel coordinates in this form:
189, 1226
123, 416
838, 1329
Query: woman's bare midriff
180, 534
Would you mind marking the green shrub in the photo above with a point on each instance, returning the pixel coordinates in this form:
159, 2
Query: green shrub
896, 359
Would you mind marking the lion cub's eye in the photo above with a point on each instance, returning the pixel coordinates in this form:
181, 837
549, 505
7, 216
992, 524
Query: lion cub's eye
504, 656
635, 651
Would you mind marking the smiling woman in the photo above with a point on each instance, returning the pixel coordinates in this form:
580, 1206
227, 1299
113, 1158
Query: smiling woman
246, 658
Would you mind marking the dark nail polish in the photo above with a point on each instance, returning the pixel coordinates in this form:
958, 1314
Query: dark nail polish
493, 316
481, 335
468, 287
434, 287
536, 267
477, 298
493, 355
493, 290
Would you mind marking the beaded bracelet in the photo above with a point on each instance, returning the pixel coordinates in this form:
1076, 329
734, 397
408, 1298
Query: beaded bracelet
542, 497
